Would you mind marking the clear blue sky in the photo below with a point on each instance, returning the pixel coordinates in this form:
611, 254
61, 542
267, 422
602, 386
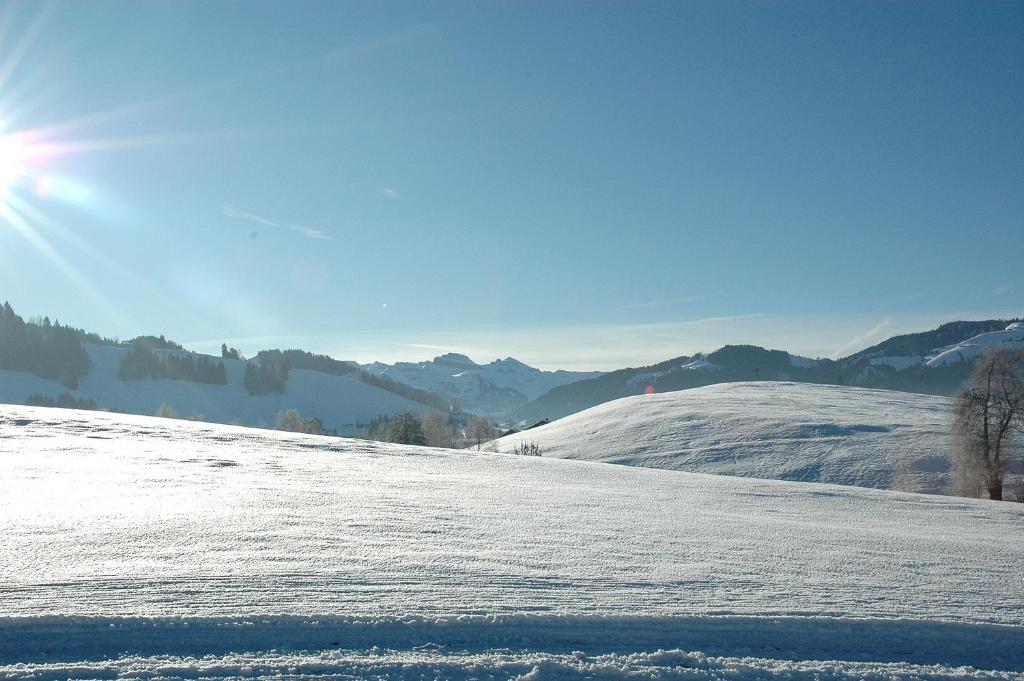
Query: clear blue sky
575, 184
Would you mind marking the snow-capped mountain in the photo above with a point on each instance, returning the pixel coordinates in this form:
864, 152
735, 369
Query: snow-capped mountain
496, 388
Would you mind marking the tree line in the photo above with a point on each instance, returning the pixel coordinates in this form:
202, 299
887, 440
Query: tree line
52, 351
64, 401
141, 363
41, 348
433, 429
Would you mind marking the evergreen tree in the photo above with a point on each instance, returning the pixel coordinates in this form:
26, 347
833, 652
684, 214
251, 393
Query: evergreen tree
44, 349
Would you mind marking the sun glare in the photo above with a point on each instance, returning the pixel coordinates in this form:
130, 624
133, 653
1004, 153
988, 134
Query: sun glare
13, 161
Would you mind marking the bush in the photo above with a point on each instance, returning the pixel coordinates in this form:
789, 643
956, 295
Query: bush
527, 449
290, 420
63, 401
165, 411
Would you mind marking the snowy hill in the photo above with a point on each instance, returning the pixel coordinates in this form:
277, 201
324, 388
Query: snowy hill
145, 547
785, 431
341, 402
1012, 338
496, 389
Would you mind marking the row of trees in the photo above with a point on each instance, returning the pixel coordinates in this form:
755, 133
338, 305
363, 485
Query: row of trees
404, 428
434, 429
64, 401
44, 349
141, 363
988, 419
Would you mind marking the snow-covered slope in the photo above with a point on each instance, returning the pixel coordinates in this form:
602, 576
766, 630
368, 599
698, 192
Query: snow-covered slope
150, 548
496, 388
1012, 338
786, 431
340, 402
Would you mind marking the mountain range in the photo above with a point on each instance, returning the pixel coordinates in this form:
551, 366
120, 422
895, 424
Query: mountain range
936, 362
496, 389
49, 364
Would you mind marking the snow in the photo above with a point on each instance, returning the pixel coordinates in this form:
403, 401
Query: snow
969, 350
340, 402
641, 380
151, 548
699, 363
765, 429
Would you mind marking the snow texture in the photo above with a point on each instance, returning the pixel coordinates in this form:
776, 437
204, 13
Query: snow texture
136, 547
784, 431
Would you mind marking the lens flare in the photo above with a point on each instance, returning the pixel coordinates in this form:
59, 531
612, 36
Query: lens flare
13, 161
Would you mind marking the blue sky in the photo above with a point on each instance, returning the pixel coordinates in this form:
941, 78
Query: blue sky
574, 184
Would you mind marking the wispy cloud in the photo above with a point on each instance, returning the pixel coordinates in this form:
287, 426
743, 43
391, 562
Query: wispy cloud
1001, 290
875, 333
652, 304
714, 320
308, 232
388, 193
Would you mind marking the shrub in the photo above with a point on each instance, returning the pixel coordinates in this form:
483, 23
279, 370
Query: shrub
527, 449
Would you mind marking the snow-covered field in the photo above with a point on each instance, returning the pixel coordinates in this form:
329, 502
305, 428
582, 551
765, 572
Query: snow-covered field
134, 547
783, 431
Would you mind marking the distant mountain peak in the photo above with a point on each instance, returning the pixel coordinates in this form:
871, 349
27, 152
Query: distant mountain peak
496, 388
455, 359
514, 363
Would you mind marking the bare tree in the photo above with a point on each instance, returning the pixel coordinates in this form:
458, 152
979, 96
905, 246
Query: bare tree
1017, 489
290, 420
480, 430
436, 430
986, 417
